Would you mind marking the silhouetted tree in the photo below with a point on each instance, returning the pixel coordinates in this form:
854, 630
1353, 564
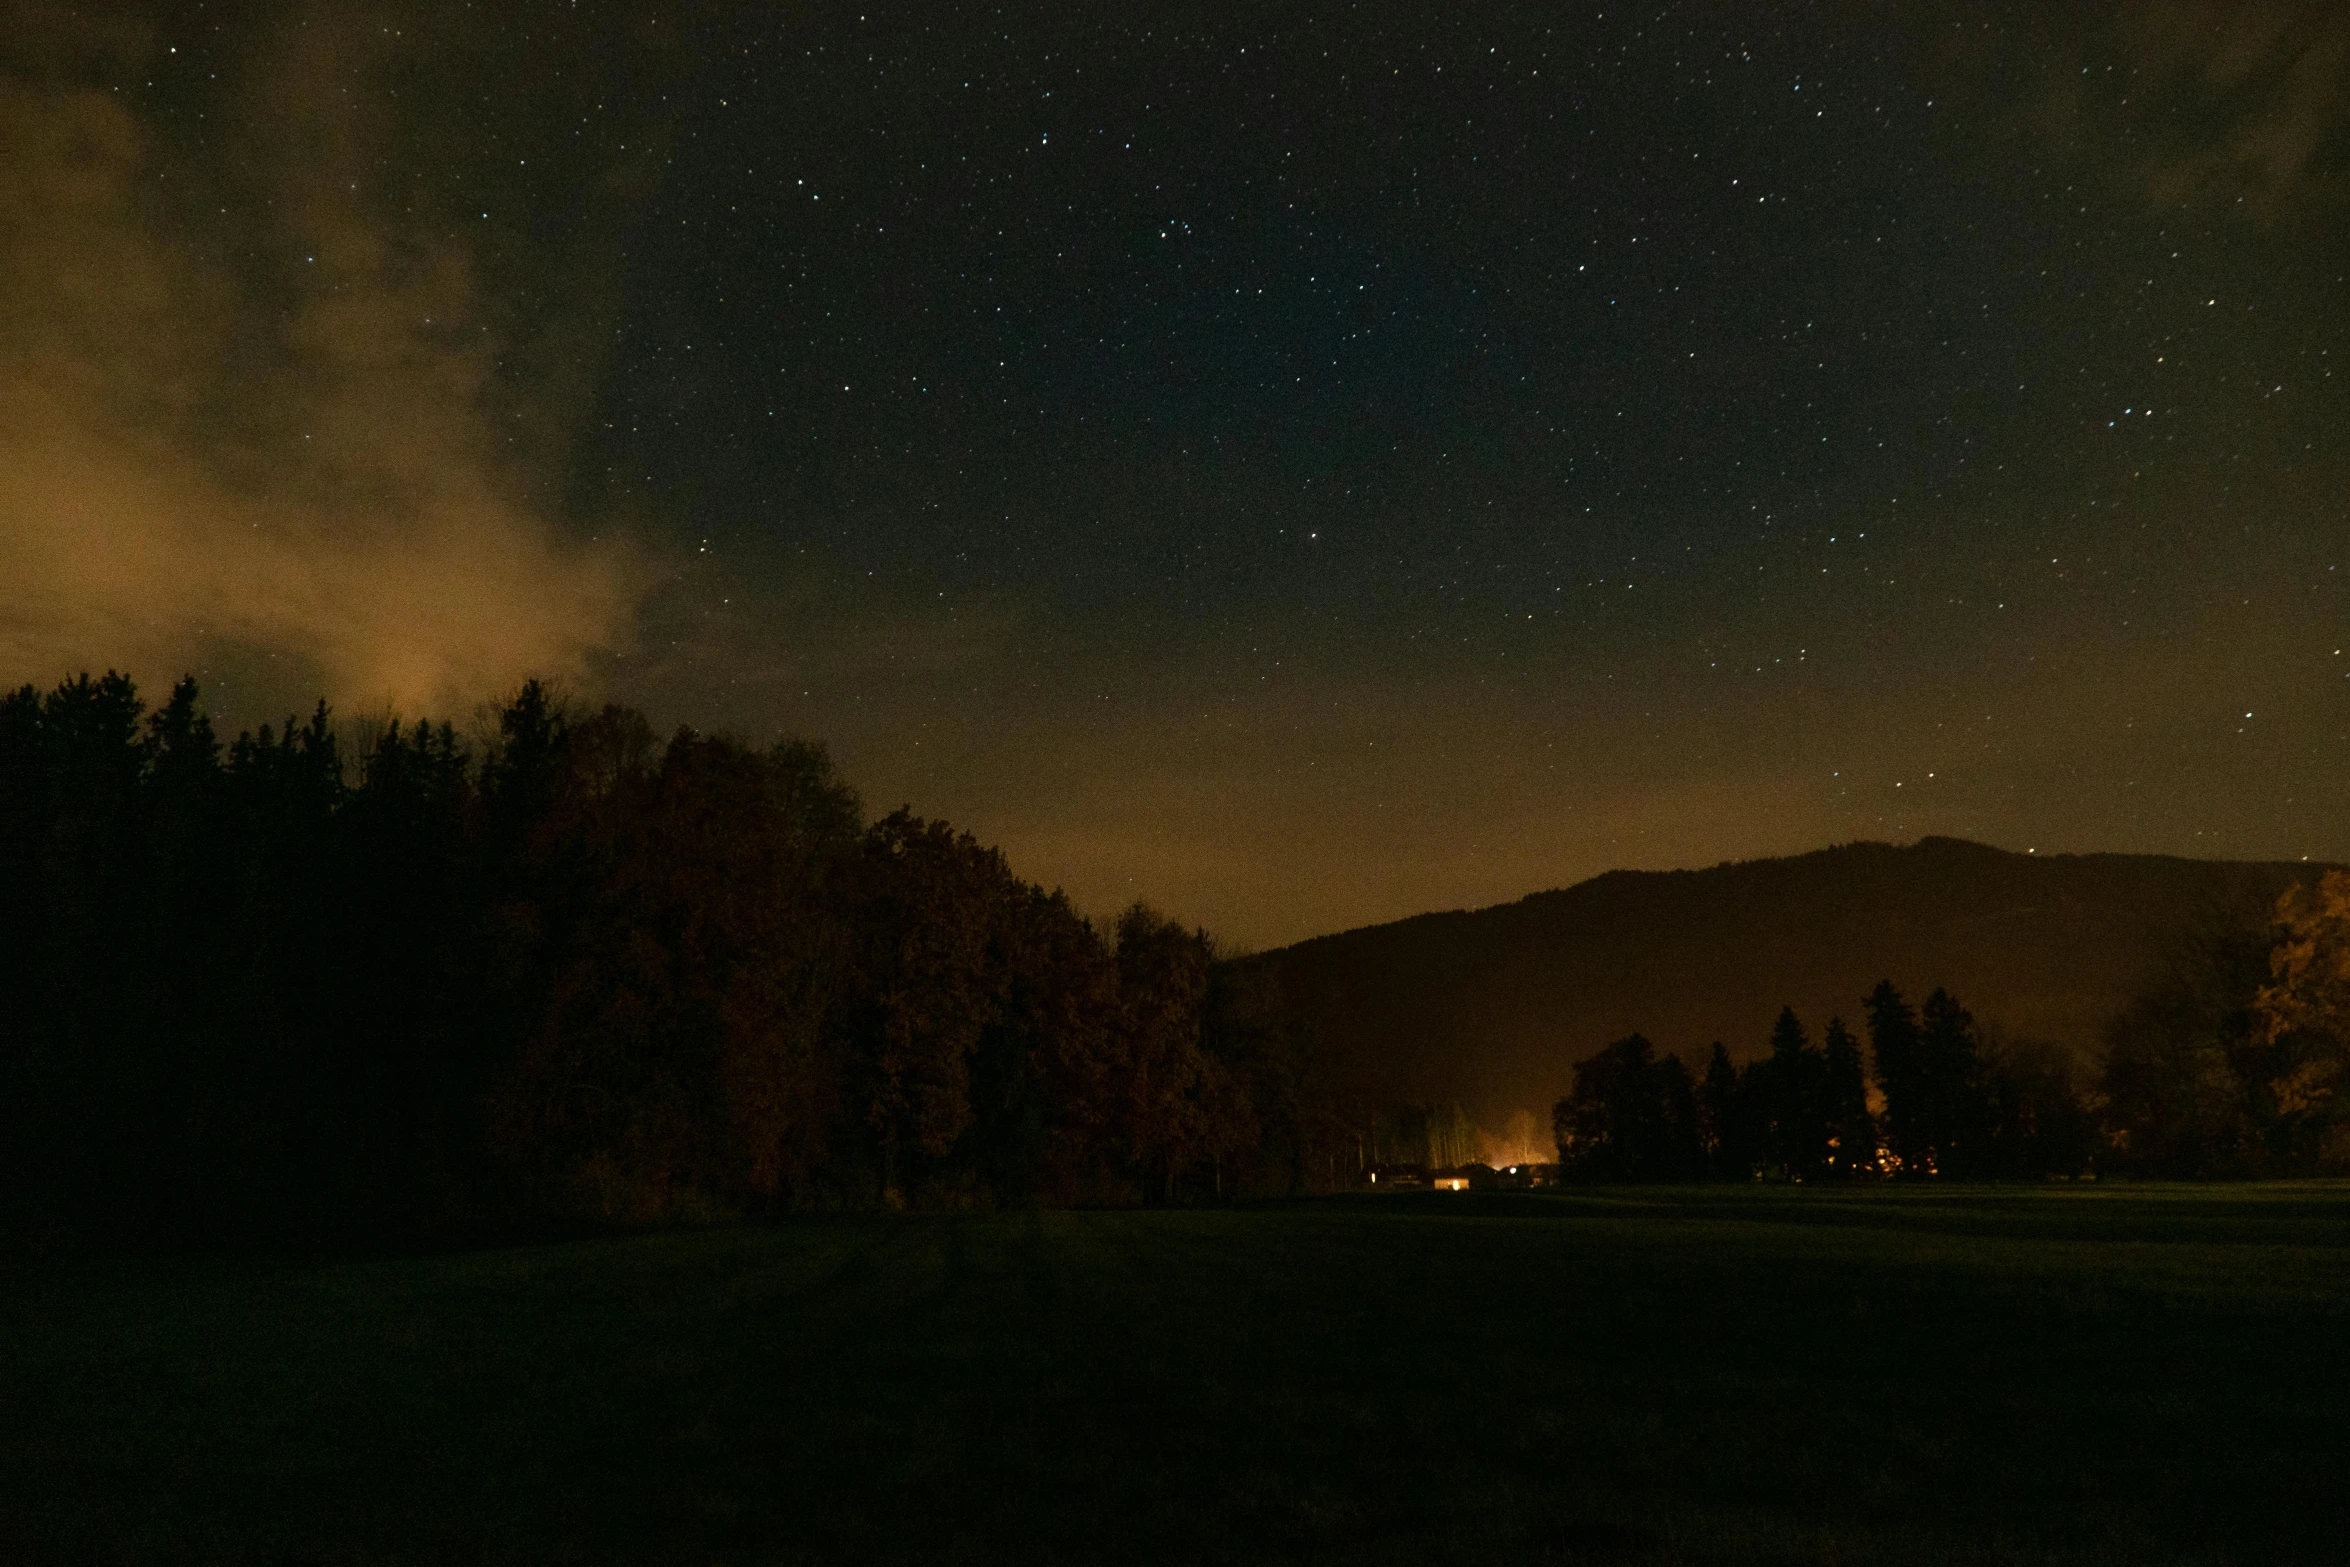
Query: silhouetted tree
2176, 1099
1681, 1155
1267, 1140
1170, 1082
78, 1078
584, 974
268, 990
1056, 1088
2038, 1127
1958, 1104
1630, 1117
927, 989
1399, 1135
1794, 1094
1048, 1101
1903, 1079
408, 836
1725, 1128
1851, 1130
1452, 1136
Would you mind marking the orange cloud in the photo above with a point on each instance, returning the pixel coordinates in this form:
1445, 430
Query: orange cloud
288, 447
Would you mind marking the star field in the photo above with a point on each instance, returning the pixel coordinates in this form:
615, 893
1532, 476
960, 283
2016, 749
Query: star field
1308, 464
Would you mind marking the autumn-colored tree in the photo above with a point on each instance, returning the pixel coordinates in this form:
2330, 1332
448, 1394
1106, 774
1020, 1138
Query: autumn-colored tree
2303, 1016
926, 988
2311, 961
1266, 1131
578, 973
764, 951
1047, 1101
1170, 1081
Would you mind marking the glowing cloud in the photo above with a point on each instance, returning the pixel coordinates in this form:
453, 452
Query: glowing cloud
272, 429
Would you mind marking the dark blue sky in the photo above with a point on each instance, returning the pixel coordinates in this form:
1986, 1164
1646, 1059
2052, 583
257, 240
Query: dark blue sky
1307, 464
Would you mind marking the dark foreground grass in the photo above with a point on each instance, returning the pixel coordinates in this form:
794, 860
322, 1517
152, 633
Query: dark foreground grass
2120, 1375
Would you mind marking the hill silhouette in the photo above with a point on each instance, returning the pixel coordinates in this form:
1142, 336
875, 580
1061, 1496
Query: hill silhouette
1492, 1006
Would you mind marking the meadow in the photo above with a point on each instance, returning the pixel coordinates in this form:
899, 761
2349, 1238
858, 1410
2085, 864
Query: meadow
2115, 1374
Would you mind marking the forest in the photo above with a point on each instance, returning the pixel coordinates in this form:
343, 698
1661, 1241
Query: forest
2229, 1065
567, 973
1803, 1112
321, 984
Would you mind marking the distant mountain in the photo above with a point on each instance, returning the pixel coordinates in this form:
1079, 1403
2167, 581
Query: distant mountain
1493, 1006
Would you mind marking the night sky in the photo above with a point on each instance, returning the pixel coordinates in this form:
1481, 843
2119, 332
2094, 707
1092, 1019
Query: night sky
1300, 465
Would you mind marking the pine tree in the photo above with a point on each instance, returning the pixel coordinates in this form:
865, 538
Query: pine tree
1893, 1042
1959, 1108
1722, 1109
1852, 1131
1794, 1093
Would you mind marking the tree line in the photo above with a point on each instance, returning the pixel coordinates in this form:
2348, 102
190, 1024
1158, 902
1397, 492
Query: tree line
1945, 1105
299, 988
313, 985
2232, 1064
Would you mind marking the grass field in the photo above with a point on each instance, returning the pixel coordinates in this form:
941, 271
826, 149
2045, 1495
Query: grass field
2117, 1374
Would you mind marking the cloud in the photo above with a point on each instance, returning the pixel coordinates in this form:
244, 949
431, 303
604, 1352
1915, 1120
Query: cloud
250, 407
2237, 106
2262, 91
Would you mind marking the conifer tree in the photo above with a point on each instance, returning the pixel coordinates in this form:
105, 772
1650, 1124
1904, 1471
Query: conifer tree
1724, 1133
1893, 1042
1852, 1131
1794, 1091
1959, 1110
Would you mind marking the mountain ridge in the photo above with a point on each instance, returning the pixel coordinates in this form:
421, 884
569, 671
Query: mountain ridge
1492, 1006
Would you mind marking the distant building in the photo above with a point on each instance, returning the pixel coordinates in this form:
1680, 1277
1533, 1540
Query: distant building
1526, 1177
1471, 1177
1396, 1177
